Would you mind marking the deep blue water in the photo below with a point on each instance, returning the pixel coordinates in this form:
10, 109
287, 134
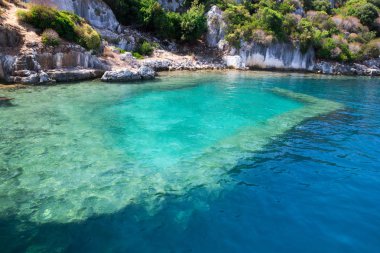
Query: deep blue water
315, 188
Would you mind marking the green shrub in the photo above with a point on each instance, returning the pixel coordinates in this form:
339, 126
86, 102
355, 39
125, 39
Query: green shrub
50, 38
193, 23
374, 2
145, 48
372, 49
322, 5
367, 13
137, 55
271, 20
88, 37
334, 49
187, 26
68, 25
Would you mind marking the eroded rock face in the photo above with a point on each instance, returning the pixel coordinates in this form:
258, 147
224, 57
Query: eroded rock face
98, 13
70, 75
70, 59
254, 55
276, 55
216, 26
9, 36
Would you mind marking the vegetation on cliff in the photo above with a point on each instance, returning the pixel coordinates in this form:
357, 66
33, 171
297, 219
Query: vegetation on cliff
151, 16
346, 31
342, 34
68, 26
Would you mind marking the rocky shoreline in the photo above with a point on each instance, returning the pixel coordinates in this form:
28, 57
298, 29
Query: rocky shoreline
25, 60
27, 68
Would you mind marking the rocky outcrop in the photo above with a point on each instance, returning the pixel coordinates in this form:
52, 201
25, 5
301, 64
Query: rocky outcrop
126, 75
70, 75
27, 70
276, 56
96, 12
216, 26
366, 68
254, 55
39, 65
158, 64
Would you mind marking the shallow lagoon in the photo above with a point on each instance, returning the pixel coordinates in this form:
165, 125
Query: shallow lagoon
193, 162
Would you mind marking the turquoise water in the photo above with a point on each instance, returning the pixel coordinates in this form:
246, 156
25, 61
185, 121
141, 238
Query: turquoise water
96, 167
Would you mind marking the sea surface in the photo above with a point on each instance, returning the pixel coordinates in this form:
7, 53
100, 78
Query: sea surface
193, 162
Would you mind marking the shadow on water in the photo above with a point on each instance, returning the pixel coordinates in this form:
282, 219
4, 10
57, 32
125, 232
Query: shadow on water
131, 229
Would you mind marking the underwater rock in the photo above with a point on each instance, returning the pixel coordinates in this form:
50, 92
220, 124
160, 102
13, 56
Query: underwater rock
4, 101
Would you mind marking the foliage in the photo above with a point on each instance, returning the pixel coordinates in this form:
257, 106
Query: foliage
372, 49
88, 37
374, 2
342, 32
145, 48
193, 23
149, 14
68, 25
334, 48
137, 55
322, 5
367, 13
50, 38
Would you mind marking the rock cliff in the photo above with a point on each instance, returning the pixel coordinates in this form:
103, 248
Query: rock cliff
254, 55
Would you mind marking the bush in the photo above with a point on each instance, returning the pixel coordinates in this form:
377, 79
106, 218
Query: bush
193, 23
68, 25
137, 55
336, 49
145, 48
366, 13
50, 38
322, 5
372, 49
88, 37
374, 2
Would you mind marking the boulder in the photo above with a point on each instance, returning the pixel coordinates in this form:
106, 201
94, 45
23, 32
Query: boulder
146, 72
120, 76
125, 75
157, 64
